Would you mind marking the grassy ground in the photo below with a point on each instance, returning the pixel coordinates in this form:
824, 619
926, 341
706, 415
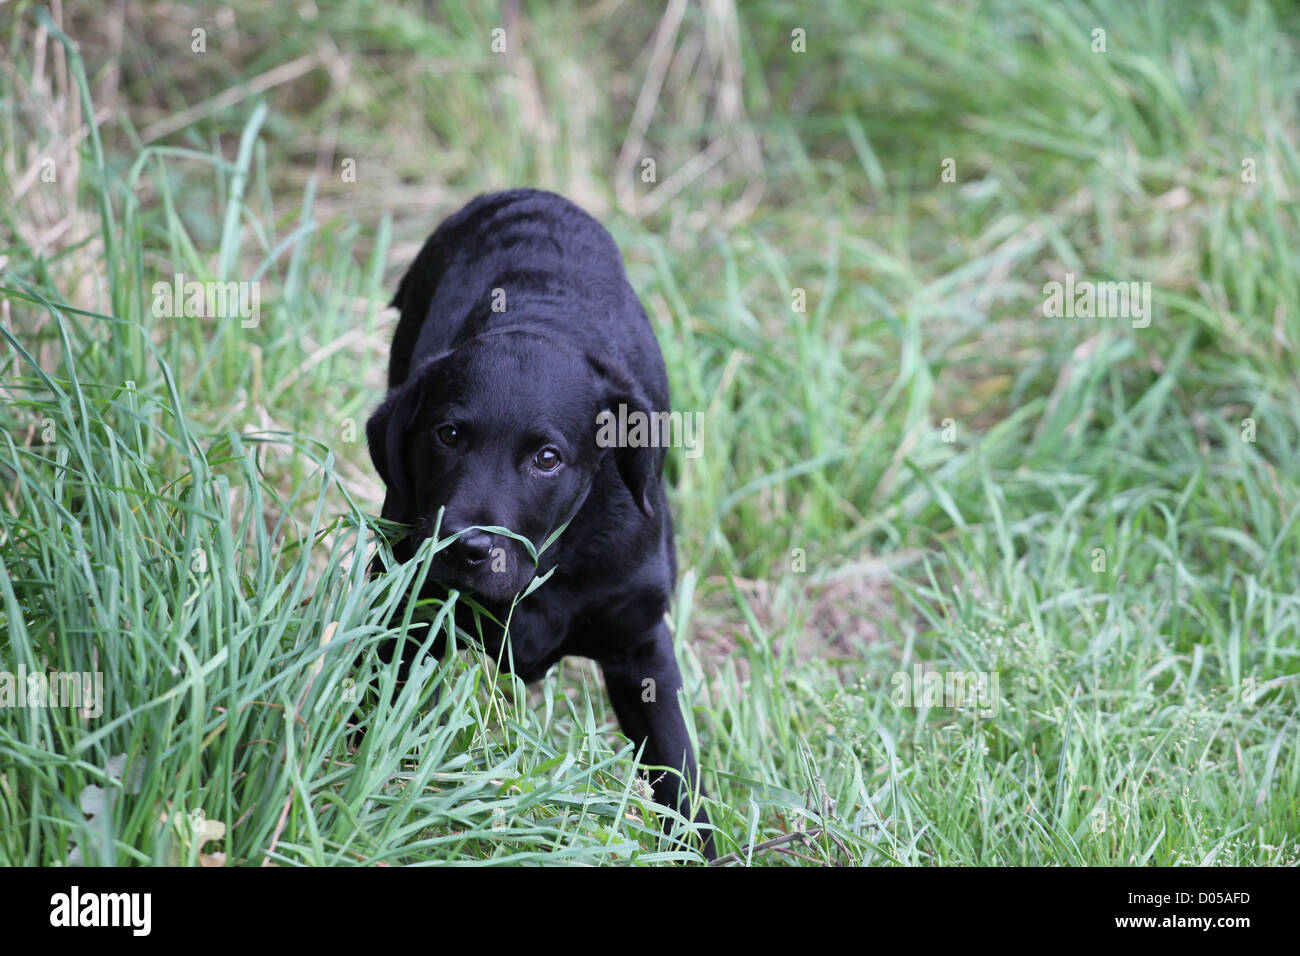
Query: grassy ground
908, 466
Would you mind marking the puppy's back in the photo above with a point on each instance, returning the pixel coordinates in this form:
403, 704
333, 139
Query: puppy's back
520, 258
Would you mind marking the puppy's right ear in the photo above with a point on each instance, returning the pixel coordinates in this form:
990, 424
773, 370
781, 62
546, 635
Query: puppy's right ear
386, 437
640, 464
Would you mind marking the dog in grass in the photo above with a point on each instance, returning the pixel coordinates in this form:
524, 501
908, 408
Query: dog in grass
519, 340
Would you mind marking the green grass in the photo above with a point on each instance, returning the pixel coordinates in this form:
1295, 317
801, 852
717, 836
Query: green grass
921, 468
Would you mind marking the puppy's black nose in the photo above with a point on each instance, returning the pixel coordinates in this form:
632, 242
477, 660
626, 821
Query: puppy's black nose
471, 548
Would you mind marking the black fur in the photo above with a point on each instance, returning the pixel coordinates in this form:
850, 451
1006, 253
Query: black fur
518, 327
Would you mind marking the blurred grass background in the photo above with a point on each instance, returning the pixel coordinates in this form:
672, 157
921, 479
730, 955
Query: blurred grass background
919, 467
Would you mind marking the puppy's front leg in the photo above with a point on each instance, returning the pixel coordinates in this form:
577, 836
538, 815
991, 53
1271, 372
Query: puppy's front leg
643, 688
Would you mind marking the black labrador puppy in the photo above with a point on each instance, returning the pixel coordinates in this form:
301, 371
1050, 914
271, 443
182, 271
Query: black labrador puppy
519, 340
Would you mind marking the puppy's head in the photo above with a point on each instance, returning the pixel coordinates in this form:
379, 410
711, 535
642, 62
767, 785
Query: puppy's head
501, 432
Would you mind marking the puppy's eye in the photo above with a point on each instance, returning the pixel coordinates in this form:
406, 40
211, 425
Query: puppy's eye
448, 435
548, 459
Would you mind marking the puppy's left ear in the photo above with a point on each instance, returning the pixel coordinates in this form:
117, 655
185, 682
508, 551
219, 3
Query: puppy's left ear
639, 459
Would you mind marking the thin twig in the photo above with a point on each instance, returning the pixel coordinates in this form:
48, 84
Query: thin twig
276, 76
782, 840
